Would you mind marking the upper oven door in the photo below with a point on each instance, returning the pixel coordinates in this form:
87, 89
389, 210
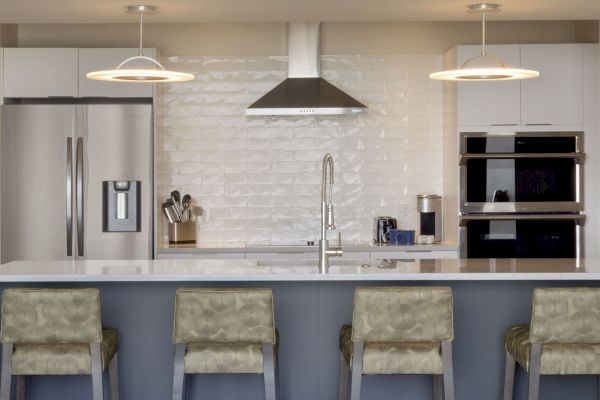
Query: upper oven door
521, 172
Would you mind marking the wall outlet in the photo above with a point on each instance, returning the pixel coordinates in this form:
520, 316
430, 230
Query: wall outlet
404, 211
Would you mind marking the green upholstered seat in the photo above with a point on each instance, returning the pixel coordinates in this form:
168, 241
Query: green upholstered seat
62, 358
395, 358
230, 358
557, 358
224, 331
56, 332
563, 338
225, 357
399, 330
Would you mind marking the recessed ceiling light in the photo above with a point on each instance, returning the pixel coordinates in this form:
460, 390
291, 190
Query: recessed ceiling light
140, 75
497, 71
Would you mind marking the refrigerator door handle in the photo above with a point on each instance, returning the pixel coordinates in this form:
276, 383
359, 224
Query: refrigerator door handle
79, 191
69, 202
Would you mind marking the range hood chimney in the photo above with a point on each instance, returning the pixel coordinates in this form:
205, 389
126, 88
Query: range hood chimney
304, 92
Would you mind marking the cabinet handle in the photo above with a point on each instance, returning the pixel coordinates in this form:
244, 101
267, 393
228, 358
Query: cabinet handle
546, 124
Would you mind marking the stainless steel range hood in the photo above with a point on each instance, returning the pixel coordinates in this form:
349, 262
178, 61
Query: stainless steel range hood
304, 92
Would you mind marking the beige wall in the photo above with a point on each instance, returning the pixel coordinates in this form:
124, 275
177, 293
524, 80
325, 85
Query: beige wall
230, 39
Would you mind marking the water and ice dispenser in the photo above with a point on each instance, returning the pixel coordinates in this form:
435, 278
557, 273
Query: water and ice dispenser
121, 206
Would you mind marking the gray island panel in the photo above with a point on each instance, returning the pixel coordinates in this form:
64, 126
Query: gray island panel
309, 315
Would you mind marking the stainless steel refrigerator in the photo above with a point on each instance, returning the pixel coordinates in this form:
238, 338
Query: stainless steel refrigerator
76, 181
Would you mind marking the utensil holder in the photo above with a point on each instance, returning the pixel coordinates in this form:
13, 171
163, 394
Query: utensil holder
182, 232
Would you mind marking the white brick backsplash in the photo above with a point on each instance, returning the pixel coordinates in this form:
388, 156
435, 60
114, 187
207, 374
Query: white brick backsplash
258, 178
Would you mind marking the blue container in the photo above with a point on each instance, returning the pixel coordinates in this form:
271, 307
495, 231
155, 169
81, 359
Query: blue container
395, 236
407, 237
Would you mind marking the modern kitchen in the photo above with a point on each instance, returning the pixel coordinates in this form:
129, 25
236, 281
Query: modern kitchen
286, 201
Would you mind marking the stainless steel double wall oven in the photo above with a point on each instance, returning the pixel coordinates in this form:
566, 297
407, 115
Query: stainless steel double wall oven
521, 194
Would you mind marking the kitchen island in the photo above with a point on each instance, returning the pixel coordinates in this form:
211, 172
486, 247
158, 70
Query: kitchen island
137, 299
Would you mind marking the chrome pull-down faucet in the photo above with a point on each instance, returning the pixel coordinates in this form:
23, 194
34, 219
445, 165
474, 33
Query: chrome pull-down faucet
327, 218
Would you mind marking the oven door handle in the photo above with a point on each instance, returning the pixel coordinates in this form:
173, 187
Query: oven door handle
578, 218
464, 157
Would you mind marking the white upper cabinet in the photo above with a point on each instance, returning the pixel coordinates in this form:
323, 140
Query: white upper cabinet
103, 59
47, 72
489, 103
556, 97
61, 72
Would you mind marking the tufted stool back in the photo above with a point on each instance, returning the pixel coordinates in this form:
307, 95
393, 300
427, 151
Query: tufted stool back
224, 315
565, 315
51, 316
403, 314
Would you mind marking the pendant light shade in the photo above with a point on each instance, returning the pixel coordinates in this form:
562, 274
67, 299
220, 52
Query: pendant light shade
140, 75
486, 68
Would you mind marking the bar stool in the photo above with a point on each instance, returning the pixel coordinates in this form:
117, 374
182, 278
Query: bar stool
56, 332
399, 330
224, 331
562, 339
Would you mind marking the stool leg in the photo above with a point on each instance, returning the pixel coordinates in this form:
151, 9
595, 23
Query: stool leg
269, 371
21, 387
113, 377
178, 371
535, 361
438, 387
277, 382
509, 376
344, 371
6, 375
357, 366
448, 370
96, 371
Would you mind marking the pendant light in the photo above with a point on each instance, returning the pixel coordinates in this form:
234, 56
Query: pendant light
144, 75
496, 71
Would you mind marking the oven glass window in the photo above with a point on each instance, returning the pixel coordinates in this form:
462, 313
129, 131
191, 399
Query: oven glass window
521, 239
530, 179
521, 180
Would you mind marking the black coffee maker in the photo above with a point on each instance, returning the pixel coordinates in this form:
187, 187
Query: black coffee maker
381, 229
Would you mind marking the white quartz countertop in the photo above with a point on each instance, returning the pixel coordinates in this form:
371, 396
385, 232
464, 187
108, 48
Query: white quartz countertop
296, 248
299, 270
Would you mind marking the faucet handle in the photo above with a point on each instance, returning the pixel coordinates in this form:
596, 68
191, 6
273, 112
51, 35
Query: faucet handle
339, 239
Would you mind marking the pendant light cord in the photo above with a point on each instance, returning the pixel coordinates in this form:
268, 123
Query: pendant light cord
483, 53
141, 31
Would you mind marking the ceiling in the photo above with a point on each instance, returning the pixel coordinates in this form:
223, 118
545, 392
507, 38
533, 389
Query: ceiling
87, 11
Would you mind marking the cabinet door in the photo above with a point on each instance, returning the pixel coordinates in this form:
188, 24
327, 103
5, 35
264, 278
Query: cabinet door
48, 72
489, 103
103, 59
556, 97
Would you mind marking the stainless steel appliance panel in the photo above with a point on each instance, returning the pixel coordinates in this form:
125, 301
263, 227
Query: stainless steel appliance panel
117, 147
515, 172
37, 179
54, 160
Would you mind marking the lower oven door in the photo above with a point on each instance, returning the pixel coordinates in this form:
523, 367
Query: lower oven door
521, 236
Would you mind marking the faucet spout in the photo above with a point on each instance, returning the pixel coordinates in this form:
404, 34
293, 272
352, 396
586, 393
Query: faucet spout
327, 216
